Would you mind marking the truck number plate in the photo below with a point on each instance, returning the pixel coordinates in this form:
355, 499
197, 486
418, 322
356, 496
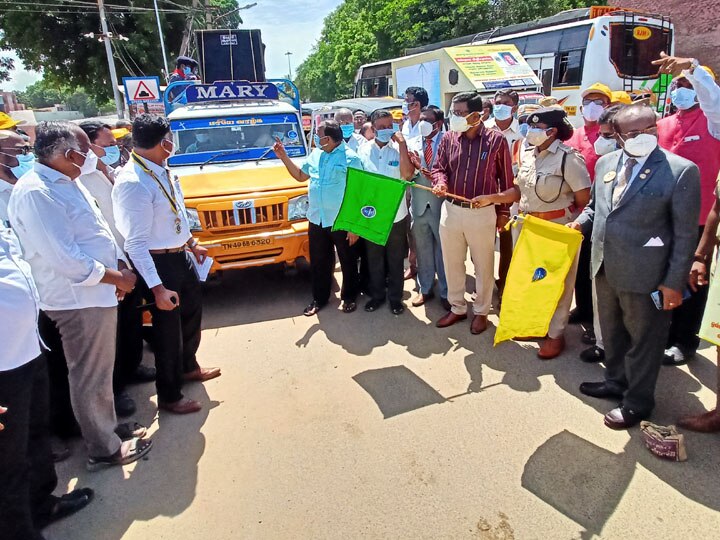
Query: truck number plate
254, 243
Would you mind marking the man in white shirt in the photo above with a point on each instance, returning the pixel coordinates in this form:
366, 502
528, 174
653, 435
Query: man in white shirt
505, 121
353, 140
26, 505
16, 158
77, 268
150, 213
416, 99
388, 155
129, 353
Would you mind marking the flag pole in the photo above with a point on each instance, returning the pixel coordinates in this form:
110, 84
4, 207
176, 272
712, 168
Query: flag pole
451, 195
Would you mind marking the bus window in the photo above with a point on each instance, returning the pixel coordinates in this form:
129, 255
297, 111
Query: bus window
546, 77
569, 68
632, 57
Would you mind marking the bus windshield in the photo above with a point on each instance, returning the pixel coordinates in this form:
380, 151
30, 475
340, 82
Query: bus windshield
633, 47
198, 140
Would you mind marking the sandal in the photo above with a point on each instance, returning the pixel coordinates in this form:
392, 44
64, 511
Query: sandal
349, 307
130, 430
312, 309
134, 450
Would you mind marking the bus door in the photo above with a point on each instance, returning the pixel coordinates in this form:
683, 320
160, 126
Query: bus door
543, 65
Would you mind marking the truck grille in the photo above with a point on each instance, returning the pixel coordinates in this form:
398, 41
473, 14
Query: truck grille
266, 217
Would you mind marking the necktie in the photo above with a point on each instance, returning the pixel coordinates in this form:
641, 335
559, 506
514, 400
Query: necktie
428, 153
623, 181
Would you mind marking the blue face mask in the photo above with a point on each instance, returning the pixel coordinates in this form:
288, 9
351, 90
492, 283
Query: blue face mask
317, 140
347, 130
384, 135
396, 127
524, 129
112, 155
502, 112
683, 98
187, 70
25, 164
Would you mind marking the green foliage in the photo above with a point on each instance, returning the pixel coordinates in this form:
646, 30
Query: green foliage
7, 64
53, 42
359, 32
41, 94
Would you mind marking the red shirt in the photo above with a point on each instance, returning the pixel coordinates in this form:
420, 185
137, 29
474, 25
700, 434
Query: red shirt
686, 134
583, 140
472, 167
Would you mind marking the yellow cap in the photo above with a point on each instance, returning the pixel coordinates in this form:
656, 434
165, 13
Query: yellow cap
7, 122
397, 114
119, 133
706, 68
621, 97
598, 88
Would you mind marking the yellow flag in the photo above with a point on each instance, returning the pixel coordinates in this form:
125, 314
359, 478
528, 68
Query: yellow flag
710, 327
543, 255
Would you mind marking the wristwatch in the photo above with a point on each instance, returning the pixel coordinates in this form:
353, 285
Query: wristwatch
192, 243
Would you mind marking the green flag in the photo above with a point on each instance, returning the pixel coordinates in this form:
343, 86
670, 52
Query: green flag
369, 205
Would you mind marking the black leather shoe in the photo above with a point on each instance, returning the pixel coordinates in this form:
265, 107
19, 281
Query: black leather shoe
592, 355
588, 337
373, 304
624, 418
143, 374
124, 404
577, 317
397, 308
65, 505
600, 390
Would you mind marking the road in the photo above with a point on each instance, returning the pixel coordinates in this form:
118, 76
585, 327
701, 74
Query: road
368, 425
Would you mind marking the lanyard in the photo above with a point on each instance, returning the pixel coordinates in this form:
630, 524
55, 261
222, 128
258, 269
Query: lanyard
170, 196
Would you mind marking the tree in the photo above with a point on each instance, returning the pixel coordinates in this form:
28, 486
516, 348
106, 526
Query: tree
7, 64
359, 32
53, 42
41, 94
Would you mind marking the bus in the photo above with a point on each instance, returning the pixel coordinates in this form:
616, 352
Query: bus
568, 51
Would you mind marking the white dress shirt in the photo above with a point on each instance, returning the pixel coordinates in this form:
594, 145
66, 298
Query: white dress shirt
65, 239
355, 142
143, 215
708, 95
98, 185
636, 169
18, 306
411, 131
5, 191
385, 161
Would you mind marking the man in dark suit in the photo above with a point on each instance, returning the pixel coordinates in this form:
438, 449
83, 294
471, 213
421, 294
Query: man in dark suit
642, 216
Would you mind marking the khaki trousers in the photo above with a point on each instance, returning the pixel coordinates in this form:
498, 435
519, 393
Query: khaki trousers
460, 229
88, 339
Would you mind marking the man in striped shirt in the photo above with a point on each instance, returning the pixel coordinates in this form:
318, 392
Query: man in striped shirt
473, 162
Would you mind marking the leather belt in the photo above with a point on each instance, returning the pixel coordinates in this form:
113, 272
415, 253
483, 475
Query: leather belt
165, 251
552, 214
461, 204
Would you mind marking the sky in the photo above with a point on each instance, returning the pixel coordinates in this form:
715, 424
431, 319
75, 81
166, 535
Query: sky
285, 26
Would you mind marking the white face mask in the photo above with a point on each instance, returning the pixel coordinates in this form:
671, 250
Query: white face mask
426, 128
536, 136
172, 147
460, 123
90, 163
605, 146
641, 146
592, 112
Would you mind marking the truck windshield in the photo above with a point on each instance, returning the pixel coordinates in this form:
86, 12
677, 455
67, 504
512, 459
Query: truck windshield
199, 139
633, 47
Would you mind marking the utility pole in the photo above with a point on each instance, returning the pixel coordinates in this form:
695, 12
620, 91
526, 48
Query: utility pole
111, 61
289, 68
162, 41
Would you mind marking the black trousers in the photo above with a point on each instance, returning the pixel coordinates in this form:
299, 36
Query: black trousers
387, 264
129, 352
686, 319
583, 282
62, 418
27, 472
323, 243
176, 333
361, 254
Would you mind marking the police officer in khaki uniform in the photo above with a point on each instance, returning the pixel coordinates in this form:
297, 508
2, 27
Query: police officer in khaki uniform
554, 185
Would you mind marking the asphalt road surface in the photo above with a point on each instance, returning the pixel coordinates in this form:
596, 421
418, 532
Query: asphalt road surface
368, 425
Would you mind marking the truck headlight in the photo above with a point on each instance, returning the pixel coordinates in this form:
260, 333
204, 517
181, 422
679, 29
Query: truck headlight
298, 208
193, 219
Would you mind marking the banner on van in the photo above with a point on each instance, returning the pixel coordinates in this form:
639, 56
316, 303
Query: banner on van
492, 67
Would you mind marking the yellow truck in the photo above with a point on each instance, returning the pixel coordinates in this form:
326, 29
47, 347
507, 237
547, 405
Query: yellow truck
242, 204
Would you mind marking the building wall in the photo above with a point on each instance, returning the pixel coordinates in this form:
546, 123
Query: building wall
697, 25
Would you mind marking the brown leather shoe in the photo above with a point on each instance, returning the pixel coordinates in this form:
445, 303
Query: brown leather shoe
181, 406
420, 299
202, 374
478, 324
410, 273
450, 319
551, 348
708, 422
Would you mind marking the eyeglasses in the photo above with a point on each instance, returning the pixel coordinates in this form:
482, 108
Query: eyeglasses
600, 102
607, 135
24, 150
635, 133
